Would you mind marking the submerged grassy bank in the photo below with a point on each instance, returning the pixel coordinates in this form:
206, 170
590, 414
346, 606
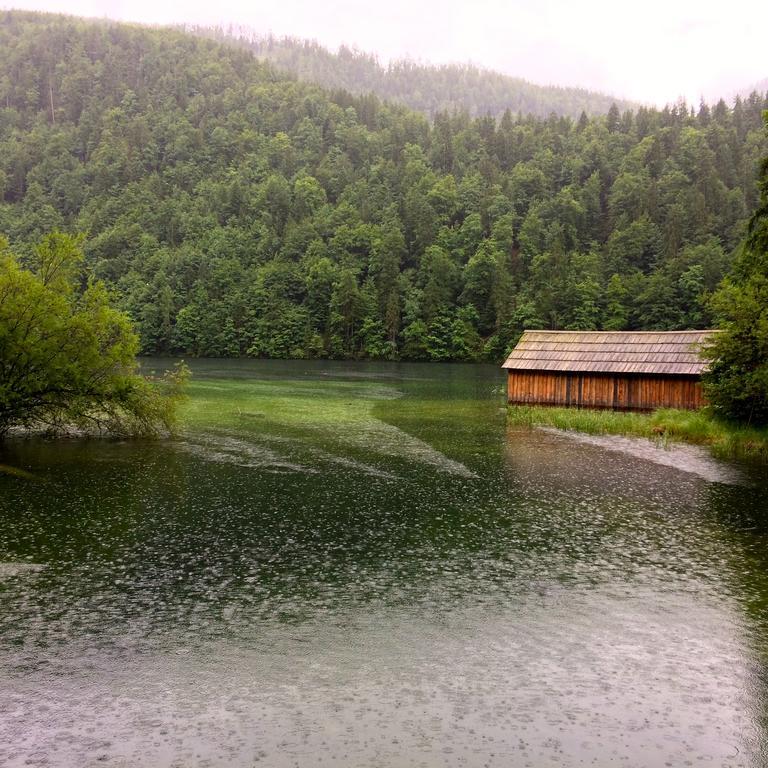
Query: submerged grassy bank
698, 427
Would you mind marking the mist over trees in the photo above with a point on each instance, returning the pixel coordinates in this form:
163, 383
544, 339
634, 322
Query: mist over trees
427, 88
237, 211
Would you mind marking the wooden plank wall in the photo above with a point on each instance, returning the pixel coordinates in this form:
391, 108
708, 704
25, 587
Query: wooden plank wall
619, 392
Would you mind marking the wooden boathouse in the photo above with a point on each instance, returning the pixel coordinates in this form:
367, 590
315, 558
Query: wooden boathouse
630, 371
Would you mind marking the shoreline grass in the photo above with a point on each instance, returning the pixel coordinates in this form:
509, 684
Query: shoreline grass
696, 427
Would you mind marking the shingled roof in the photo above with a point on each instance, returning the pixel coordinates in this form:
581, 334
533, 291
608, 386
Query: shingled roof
647, 352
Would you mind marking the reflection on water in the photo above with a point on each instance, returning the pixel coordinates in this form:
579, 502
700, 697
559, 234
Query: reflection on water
360, 565
694, 459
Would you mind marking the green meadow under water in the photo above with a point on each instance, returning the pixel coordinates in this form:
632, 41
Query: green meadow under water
366, 564
368, 418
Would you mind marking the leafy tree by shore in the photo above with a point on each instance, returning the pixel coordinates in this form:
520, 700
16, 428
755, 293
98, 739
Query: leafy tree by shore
737, 383
68, 358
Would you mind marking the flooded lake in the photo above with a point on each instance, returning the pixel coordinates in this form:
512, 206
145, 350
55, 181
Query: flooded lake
358, 565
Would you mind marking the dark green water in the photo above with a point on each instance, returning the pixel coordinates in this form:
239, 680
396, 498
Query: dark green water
360, 565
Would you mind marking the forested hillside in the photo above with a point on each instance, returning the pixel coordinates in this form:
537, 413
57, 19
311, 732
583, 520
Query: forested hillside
235, 211
424, 87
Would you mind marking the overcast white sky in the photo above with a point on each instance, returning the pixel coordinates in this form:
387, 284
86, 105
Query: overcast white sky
650, 50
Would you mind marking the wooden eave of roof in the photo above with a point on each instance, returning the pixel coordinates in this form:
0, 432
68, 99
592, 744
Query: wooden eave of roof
634, 352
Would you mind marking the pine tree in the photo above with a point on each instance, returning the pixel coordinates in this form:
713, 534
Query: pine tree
613, 119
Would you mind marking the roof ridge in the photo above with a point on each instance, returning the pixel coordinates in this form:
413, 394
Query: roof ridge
639, 352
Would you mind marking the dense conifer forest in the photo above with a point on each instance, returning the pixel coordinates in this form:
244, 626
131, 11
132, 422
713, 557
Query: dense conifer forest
235, 210
424, 87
